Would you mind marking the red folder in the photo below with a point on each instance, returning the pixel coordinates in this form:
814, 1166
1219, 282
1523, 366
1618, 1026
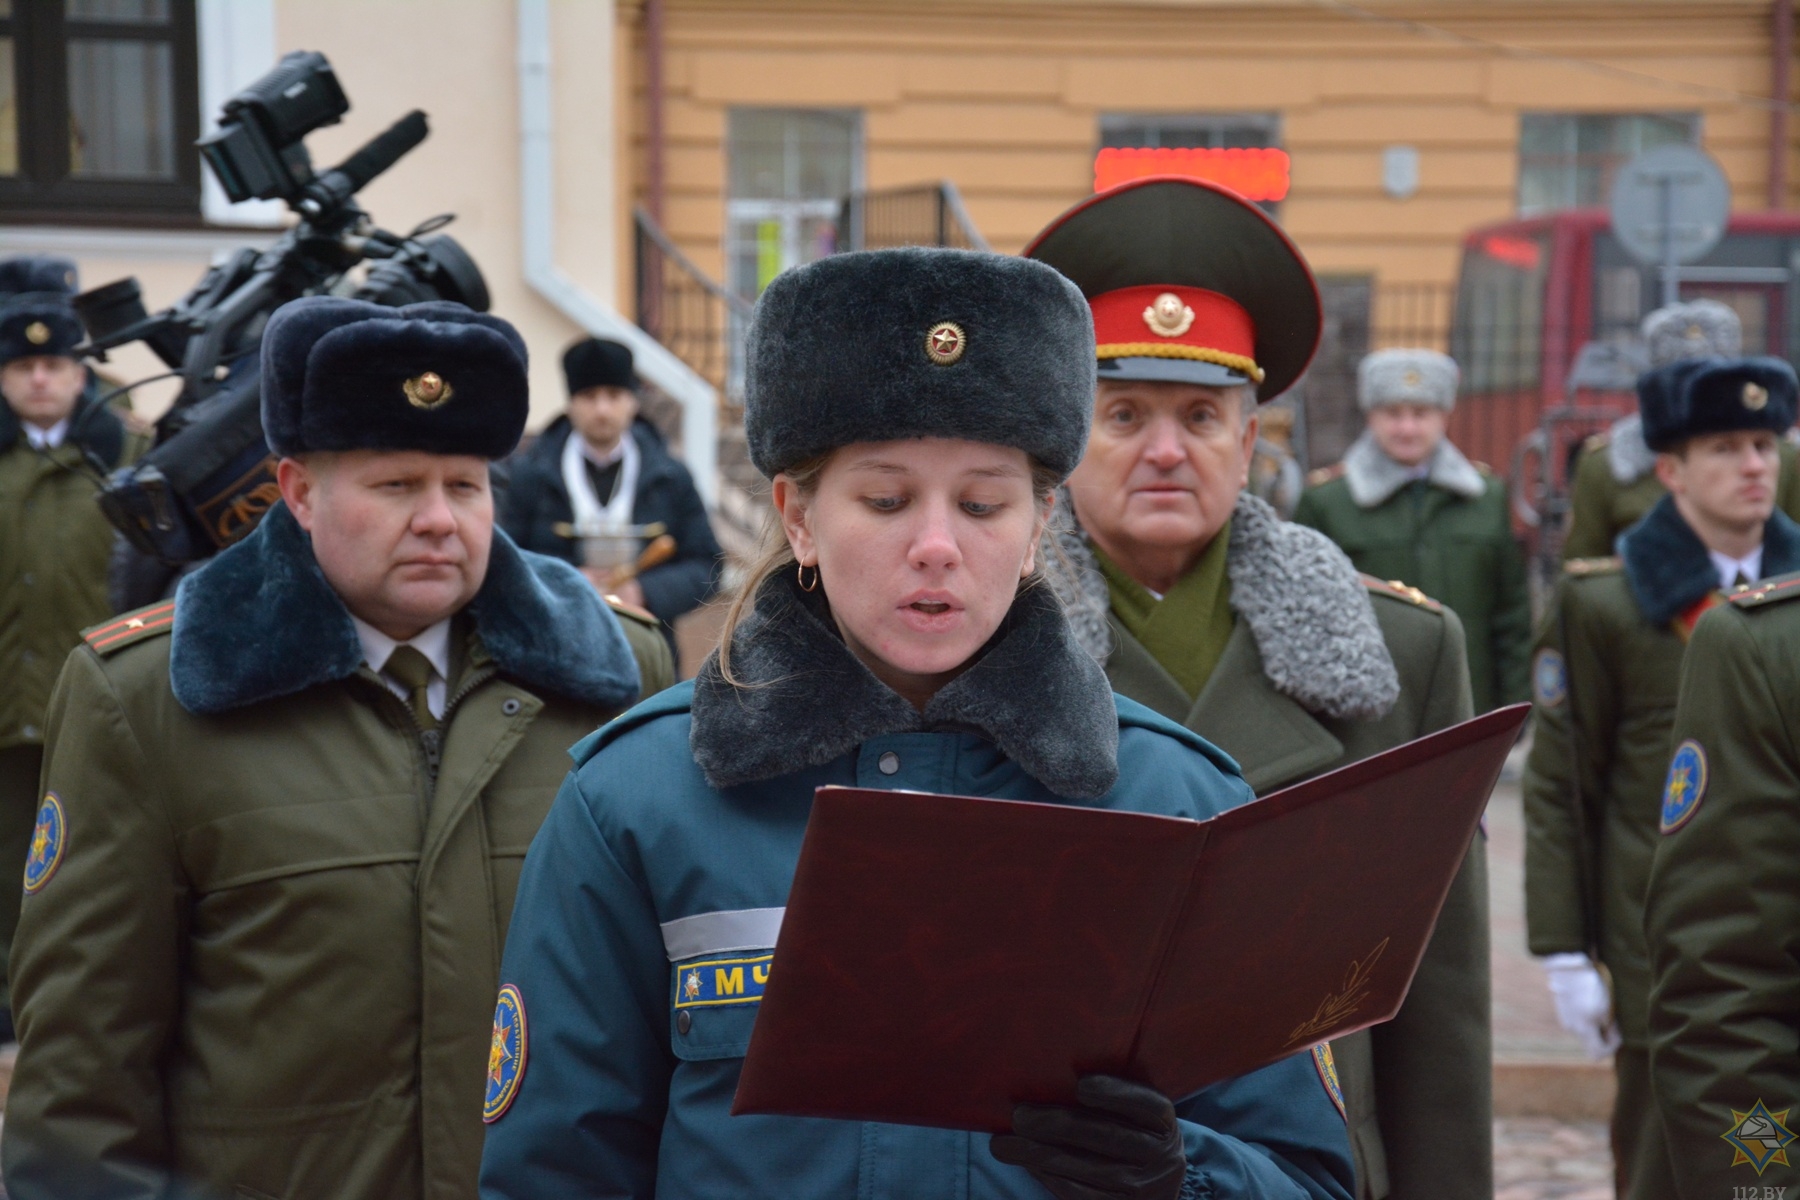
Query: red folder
944, 957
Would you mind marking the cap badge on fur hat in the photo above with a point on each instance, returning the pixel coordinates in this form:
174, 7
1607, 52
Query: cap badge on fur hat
428, 391
1412, 379
37, 333
946, 342
1168, 317
1756, 397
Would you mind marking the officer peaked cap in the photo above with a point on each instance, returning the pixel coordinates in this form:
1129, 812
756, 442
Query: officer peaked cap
595, 362
36, 316
1189, 282
1715, 395
881, 345
349, 375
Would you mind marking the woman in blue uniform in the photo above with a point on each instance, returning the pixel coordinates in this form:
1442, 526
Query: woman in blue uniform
914, 410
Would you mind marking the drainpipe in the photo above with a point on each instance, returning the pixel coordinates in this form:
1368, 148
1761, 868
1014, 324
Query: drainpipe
1782, 54
537, 219
653, 85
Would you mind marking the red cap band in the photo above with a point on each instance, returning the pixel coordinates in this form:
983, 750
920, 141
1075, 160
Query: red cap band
1158, 321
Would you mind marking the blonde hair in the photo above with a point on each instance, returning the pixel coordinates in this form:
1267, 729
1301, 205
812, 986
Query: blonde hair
774, 556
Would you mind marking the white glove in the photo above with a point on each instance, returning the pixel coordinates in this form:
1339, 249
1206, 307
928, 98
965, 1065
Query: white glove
1583, 1006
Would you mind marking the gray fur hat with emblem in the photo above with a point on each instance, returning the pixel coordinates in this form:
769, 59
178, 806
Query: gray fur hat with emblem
918, 342
1693, 329
1407, 377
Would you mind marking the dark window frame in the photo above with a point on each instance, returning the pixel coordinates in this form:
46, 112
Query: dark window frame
44, 190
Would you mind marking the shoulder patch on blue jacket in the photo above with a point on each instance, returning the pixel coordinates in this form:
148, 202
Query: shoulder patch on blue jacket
669, 702
1135, 715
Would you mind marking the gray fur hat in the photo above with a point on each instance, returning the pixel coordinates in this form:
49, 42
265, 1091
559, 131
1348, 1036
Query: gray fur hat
1695, 329
1407, 377
881, 345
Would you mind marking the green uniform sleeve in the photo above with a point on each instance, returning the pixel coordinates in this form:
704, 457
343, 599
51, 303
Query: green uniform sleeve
96, 984
1722, 914
1434, 1061
1590, 509
1510, 629
1575, 709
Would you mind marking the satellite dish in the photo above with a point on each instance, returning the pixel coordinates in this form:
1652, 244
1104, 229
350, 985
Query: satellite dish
1670, 206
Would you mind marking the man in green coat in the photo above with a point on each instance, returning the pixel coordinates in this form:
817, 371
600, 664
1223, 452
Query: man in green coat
1406, 505
1256, 633
285, 814
1615, 482
57, 441
1608, 661
1723, 905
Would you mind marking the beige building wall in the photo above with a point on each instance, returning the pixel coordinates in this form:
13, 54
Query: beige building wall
1004, 99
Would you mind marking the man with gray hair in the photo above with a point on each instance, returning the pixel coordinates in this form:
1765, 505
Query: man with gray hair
1615, 477
1405, 504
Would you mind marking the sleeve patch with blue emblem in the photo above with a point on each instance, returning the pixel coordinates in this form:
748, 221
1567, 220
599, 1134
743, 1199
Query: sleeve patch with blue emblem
506, 1055
48, 840
720, 981
1549, 679
1685, 787
1326, 1066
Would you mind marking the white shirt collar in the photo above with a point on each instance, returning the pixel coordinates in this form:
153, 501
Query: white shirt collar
1749, 566
433, 642
616, 454
46, 439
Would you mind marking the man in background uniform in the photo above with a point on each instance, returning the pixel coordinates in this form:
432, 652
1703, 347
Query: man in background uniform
1406, 505
1723, 907
285, 813
1256, 633
1608, 661
57, 442
1615, 477
602, 465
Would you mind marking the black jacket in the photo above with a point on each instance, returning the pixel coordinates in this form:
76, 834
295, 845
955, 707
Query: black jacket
537, 501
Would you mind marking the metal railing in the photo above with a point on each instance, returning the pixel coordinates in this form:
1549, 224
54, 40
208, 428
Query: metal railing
686, 310
927, 214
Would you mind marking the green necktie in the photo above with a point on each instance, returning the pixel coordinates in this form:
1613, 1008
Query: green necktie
412, 671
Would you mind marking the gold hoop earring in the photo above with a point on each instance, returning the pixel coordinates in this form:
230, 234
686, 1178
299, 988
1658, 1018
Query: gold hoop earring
800, 577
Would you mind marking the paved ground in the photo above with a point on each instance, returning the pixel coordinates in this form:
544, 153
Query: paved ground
1536, 1158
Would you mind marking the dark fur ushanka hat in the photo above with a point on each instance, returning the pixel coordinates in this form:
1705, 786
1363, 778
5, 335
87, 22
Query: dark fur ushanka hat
349, 375
594, 362
881, 345
36, 316
1715, 395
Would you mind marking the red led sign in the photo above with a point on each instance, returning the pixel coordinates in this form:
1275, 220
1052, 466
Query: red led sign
1259, 174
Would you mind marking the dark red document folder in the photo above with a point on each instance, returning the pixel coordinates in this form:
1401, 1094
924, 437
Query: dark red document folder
943, 957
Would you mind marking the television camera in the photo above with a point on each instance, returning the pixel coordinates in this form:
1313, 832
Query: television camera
210, 477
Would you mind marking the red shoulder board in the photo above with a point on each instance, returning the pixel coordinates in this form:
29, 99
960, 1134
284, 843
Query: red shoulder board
123, 631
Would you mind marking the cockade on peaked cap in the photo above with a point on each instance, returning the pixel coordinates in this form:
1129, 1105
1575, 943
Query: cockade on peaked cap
349, 375
880, 345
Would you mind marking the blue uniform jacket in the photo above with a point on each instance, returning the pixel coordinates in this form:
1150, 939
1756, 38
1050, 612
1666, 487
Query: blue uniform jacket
643, 867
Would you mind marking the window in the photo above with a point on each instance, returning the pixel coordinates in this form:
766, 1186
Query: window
98, 109
1240, 150
1568, 160
788, 170
1497, 338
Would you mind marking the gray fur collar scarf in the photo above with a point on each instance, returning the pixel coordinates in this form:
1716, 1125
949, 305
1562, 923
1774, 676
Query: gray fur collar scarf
1373, 477
1305, 604
1627, 454
1034, 693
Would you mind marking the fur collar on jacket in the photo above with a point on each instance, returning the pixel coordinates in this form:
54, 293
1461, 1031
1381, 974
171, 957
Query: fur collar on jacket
1305, 604
808, 700
1628, 456
260, 621
93, 426
1669, 571
1373, 477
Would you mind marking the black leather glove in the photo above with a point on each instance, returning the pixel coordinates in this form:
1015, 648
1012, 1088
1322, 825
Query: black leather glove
1123, 1143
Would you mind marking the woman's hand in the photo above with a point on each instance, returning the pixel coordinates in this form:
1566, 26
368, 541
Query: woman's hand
1123, 1143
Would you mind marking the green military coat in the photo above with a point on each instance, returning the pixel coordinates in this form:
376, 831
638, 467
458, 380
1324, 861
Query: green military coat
54, 547
1417, 1090
1602, 506
260, 954
1723, 908
1449, 535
